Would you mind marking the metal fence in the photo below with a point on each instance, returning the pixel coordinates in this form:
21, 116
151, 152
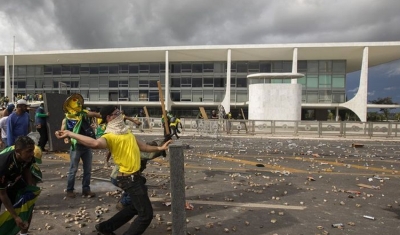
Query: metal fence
281, 128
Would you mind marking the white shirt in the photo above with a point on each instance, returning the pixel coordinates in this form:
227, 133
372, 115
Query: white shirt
3, 126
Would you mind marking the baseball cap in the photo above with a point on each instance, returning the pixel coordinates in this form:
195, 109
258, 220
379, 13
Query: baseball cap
105, 111
22, 101
10, 108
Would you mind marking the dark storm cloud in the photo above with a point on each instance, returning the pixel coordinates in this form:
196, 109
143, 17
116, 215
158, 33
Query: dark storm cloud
62, 24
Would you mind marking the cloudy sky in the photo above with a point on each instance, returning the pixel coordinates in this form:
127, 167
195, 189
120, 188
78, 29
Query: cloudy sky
73, 24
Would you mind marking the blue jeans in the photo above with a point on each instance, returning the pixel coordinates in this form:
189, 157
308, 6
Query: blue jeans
141, 206
125, 198
75, 156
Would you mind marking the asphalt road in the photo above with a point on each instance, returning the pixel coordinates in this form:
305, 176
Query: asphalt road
246, 185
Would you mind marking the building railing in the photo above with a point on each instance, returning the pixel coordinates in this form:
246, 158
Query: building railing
283, 128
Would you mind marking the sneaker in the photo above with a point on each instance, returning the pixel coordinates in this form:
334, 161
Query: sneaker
88, 194
97, 227
71, 194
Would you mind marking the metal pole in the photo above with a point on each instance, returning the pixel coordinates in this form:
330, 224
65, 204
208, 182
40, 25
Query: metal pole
12, 87
178, 199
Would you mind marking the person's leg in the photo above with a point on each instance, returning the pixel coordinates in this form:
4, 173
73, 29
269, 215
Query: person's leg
42, 130
45, 136
73, 168
86, 156
129, 185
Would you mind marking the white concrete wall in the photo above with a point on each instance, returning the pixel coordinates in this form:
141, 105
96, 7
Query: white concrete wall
275, 102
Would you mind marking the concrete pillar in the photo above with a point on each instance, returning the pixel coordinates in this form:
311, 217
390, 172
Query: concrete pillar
337, 114
227, 99
7, 88
294, 65
178, 198
359, 102
167, 95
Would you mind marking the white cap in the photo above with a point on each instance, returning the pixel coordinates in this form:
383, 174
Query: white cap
22, 101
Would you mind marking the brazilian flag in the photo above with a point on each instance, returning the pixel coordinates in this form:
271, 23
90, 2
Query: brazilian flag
25, 201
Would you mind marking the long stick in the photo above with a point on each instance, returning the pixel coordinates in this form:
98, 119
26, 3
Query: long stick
166, 124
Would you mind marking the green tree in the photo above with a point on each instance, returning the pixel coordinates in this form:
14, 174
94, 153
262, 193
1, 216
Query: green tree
386, 100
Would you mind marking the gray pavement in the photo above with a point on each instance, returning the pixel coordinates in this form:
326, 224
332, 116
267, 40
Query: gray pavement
245, 185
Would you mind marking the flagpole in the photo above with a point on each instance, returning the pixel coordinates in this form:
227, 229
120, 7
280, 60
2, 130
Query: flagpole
12, 85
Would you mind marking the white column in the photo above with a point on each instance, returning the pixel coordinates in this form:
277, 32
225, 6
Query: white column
337, 114
294, 65
7, 87
226, 102
359, 102
167, 96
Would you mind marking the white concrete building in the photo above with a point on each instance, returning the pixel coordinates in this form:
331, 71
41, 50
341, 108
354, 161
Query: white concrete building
194, 76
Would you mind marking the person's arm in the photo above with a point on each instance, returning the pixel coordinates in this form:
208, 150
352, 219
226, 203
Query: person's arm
148, 148
93, 114
8, 205
10, 137
63, 124
99, 143
136, 121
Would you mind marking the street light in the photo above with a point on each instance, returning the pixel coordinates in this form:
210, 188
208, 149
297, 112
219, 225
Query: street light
12, 87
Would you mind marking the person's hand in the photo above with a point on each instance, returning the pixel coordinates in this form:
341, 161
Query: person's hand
48, 114
165, 145
20, 223
62, 134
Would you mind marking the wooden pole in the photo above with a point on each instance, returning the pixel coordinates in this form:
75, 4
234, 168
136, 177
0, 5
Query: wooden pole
245, 126
147, 116
166, 124
203, 113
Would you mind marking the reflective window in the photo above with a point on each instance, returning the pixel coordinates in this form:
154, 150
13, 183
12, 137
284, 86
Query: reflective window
175, 95
123, 68
84, 69
113, 69
133, 68
153, 83
312, 67
65, 69
208, 67
175, 68
48, 70
219, 82
241, 67
154, 68
186, 68
208, 82
30, 70
197, 68
325, 81
338, 81
241, 82
254, 67
197, 82
75, 69
176, 82
325, 66
103, 69
312, 97
339, 66
325, 96
312, 81
186, 82
94, 69
154, 96
265, 67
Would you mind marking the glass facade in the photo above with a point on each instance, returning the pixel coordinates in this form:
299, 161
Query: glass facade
324, 80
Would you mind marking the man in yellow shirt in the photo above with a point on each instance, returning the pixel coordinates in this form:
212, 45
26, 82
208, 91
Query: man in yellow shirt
125, 149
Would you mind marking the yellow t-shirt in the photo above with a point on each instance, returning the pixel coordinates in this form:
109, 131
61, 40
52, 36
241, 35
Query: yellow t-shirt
125, 151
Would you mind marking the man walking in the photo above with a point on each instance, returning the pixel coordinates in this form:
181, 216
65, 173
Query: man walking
18, 122
41, 126
122, 143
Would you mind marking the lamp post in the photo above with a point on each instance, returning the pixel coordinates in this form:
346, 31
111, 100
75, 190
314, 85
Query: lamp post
12, 87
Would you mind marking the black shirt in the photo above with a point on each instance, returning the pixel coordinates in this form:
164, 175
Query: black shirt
11, 170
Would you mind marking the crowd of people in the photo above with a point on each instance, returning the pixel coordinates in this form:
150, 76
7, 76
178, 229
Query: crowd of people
84, 130
79, 129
